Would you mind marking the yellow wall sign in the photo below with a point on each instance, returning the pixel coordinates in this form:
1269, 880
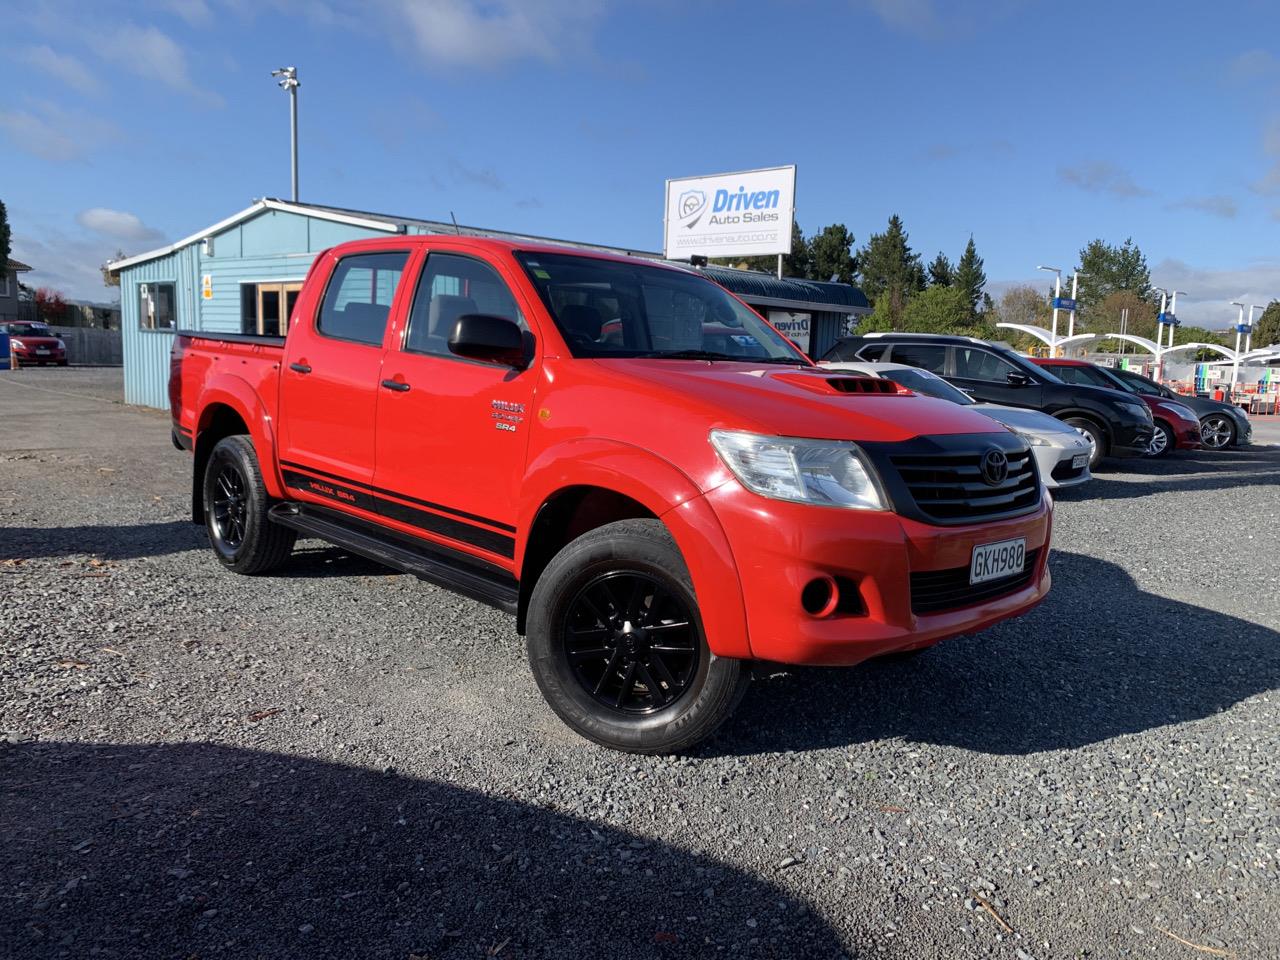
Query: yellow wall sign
206, 286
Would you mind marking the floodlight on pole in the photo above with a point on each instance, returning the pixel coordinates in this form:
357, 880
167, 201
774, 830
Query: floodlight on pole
288, 81
1057, 295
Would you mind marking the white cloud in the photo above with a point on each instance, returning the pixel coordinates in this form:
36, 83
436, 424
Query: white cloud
1252, 64
1218, 205
63, 67
116, 224
1101, 176
66, 263
52, 132
194, 12
488, 34
152, 54
1207, 302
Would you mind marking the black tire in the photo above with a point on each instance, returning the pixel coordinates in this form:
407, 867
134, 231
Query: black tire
235, 510
1162, 441
1092, 430
613, 617
1217, 432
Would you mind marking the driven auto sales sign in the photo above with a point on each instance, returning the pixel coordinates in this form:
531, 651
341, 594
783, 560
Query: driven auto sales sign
730, 214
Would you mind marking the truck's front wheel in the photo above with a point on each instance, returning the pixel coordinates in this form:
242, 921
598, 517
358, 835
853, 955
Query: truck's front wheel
235, 510
617, 647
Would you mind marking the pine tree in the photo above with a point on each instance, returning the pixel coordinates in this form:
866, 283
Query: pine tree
890, 270
1105, 269
941, 272
970, 277
832, 253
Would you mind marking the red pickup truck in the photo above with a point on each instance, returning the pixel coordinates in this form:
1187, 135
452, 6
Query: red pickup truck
655, 482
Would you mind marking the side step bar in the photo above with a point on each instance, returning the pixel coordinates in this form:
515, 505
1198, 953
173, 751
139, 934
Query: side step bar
436, 564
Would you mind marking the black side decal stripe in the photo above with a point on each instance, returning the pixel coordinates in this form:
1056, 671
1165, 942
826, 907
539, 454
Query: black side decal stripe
473, 517
499, 543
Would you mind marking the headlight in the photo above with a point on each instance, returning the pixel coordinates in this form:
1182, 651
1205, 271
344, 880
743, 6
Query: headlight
1032, 439
16, 343
61, 345
1139, 410
833, 473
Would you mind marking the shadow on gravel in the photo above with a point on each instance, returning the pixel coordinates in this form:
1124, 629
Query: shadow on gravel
326, 561
1180, 472
126, 542
1098, 659
197, 850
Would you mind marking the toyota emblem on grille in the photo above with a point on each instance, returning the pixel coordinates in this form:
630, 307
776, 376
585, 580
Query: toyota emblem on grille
995, 467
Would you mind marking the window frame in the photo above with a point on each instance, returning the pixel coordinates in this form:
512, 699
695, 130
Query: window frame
405, 328
354, 255
895, 346
283, 283
138, 300
1003, 381
5, 284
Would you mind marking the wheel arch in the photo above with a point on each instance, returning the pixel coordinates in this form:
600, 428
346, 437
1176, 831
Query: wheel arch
1080, 413
230, 407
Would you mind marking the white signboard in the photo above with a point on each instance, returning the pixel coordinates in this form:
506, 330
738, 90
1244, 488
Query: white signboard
794, 326
730, 214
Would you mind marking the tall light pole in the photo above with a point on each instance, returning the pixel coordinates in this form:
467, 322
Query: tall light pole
1235, 361
1248, 337
1164, 303
1173, 312
1057, 295
1071, 316
289, 81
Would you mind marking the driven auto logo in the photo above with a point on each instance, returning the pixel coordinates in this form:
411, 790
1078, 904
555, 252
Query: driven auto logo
995, 467
690, 207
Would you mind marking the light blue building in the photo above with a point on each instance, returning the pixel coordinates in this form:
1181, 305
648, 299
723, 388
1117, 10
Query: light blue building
241, 275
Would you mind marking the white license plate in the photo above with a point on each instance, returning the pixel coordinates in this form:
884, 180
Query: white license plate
991, 561
42, 349
1079, 460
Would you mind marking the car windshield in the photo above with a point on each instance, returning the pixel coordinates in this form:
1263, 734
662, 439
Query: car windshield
28, 330
922, 381
610, 308
1139, 383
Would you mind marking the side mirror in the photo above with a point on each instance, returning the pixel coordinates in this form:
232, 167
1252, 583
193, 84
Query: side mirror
1016, 378
489, 339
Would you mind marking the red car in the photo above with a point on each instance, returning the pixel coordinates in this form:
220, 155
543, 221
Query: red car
650, 478
1177, 427
34, 343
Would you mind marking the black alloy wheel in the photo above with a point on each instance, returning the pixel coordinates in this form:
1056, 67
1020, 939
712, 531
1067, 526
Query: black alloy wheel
631, 642
1217, 432
230, 509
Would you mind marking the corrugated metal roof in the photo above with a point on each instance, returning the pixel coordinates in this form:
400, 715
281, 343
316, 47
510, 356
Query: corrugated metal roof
754, 285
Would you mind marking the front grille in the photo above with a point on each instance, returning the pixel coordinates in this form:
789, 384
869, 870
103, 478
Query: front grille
936, 590
1065, 471
948, 487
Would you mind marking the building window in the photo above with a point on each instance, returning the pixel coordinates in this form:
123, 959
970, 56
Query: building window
4, 284
265, 308
359, 297
156, 306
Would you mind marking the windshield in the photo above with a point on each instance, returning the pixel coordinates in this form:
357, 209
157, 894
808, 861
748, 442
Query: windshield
29, 330
922, 381
1091, 376
608, 308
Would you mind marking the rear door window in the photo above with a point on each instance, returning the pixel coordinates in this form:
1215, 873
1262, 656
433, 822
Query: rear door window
974, 363
358, 299
926, 356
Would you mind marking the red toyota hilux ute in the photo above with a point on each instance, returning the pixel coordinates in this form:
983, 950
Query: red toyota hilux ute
655, 482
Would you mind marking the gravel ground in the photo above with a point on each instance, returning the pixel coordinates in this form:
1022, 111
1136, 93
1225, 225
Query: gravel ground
344, 762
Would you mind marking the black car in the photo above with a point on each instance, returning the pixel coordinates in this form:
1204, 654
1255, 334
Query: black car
1119, 423
1222, 425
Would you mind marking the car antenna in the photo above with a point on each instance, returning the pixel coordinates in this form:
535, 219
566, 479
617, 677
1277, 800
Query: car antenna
457, 229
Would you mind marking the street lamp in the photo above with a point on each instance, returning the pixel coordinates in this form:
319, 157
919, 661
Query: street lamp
289, 81
1057, 295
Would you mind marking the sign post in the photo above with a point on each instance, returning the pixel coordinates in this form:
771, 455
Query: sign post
746, 214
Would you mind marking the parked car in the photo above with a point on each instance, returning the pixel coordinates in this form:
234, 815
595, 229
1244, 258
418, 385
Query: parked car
1222, 425
654, 512
1062, 452
31, 342
1176, 425
1119, 424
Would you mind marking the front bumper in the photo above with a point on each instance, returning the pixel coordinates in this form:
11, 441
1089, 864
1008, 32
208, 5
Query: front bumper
1132, 440
781, 547
1056, 465
1186, 434
29, 355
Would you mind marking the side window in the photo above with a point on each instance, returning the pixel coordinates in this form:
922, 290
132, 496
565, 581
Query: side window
926, 356
156, 306
974, 363
1081, 376
359, 296
452, 286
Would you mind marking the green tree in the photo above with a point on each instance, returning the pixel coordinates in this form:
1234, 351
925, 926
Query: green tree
110, 279
941, 272
5, 250
831, 253
797, 263
1109, 316
938, 310
1105, 268
970, 277
1266, 329
890, 270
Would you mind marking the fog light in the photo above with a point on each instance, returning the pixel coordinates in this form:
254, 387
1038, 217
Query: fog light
820, 596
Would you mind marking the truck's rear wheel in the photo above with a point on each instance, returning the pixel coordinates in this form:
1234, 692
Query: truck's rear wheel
617, 647
235, 510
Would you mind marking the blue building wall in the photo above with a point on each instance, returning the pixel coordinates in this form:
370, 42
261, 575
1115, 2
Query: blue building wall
273, 245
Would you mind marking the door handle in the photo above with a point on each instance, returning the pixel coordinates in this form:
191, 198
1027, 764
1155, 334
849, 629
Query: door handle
300, 367
398, 385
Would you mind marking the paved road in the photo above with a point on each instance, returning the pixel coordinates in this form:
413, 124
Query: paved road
343, 762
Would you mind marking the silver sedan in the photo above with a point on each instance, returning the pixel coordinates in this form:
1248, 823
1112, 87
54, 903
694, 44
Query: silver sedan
1062, 453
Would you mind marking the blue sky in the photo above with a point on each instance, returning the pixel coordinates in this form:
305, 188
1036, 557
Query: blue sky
1033, 126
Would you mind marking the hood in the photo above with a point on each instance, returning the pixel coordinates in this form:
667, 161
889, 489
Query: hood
1032, 421
35, 340
799, 401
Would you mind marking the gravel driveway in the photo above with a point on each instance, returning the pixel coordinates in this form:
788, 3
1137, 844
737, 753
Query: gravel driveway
345, 762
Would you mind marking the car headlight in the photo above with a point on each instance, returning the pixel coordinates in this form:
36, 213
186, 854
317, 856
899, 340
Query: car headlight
1139, 410
834, 473
13, 342
1031, 439
61, 345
